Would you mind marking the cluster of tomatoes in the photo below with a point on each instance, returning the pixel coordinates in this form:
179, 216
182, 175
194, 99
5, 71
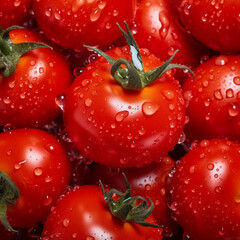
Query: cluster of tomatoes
119, 119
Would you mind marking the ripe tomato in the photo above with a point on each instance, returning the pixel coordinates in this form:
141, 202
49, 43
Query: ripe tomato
38, 165
27, 98
14, 12
120, 127
74, 23
205, 191
213, 99
83, 214
214, 23
149, 181
158, 29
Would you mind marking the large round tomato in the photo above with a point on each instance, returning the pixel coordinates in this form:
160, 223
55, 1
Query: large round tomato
74, 23
213, 103
205, 191
214, 23
83, 214
39, 167
14, 12
120, 127
27, 98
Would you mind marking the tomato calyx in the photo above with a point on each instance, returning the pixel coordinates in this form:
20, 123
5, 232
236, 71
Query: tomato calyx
9, 193
10, 53
134, 77
127, 208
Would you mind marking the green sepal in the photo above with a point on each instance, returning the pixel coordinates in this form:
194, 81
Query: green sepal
9, 193
134, 77
127, 208
10, 53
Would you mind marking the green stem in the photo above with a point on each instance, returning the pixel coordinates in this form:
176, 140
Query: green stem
134, 77
128, 208
9, 193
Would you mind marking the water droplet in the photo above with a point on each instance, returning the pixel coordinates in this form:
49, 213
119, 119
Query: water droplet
233, 110
229, 93
48, 12
101, 4
236, 80
66, 222
149, 108
204, 143
88, 102
221, 61
218, 95
210, 166
192, 169
48, 179
47, 201
218, 189
38, 171
168, 94
18, 165
237, 199
57, 15
95, 14
60, 100
121, 115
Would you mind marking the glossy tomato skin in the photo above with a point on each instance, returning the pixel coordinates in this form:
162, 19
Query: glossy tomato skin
205, 191
83, 214
214, 23
38, 165
123, 128
74, 23
158, 29
213, 99
27, 98
148, 181
14, 12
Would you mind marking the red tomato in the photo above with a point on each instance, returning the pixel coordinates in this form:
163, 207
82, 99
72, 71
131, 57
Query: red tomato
149, 181
214, 23
74, 23
83, 214
38, 165
27, 98
14, 12
213, 99
205, 191
158, 29
119, 127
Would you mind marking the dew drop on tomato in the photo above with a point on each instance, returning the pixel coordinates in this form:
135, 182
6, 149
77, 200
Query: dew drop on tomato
60, 100
47, 201
121, 115
221, 61
233, 110
38, 171
149, 108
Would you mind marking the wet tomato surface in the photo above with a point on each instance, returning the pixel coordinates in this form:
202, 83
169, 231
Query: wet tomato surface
205, 191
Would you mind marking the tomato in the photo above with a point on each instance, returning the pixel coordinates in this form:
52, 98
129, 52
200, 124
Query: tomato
157, 28
83, 214
119, 127
205, 191
214, 23
14, 12
213, 99
74, 23
27, 98
39, 167
149, 181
